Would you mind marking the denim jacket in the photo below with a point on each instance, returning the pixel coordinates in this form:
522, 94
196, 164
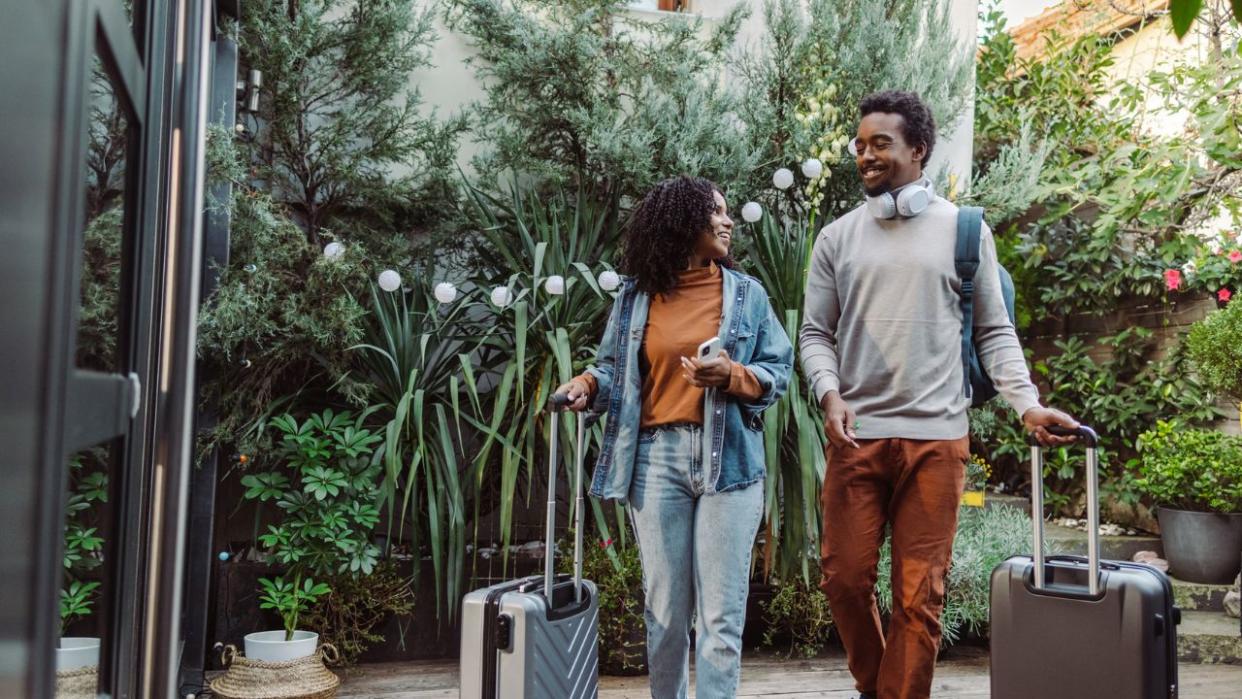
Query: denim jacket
732, 427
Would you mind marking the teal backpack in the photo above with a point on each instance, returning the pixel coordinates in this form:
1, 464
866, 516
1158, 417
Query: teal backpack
977, 385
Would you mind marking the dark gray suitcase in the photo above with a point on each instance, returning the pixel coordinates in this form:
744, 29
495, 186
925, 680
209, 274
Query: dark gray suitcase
517, 645
1074, 627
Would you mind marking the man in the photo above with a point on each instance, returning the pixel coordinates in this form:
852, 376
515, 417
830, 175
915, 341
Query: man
881, 347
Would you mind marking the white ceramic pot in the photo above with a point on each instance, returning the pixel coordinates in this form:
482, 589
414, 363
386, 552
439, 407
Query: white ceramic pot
75, 652
272, 646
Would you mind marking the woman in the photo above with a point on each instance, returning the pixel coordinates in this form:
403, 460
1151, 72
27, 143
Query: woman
693, 478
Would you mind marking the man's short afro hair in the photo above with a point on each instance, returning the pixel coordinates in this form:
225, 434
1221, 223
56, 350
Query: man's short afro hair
918, 126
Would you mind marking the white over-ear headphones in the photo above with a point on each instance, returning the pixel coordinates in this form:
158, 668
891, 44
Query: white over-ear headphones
910, 201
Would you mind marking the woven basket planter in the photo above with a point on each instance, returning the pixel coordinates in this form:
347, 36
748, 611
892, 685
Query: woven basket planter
78, 683
304, 678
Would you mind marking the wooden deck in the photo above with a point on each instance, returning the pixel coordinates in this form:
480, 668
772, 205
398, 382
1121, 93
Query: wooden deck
962, 674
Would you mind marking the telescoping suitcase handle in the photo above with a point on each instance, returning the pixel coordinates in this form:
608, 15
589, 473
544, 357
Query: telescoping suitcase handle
556, 404
1086, 436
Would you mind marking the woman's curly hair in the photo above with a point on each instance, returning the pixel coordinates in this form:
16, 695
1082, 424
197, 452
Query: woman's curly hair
663, 229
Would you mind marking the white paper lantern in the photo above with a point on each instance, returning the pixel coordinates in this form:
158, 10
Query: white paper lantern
389, 280
609, 280
501, 296
782, 178
334, 251
555, 285
812, 168
752, 212
445, 292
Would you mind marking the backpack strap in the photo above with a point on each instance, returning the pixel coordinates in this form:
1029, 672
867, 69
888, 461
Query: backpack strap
966, 263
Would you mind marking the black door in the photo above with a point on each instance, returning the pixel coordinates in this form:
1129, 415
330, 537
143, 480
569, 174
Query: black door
101, 189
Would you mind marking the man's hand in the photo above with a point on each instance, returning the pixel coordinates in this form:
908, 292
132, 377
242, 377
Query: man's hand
708, 373
578, 393
1037, 420
839, 421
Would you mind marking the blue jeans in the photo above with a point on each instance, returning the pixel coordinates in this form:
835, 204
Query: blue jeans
686, 537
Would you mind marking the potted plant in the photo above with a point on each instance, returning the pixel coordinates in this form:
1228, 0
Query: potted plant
1195, 476
326, 487
73, 652
83, 549
289, 600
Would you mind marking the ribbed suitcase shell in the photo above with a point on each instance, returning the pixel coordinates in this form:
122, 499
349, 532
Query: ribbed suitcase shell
545, 657
1059, 642
512, 645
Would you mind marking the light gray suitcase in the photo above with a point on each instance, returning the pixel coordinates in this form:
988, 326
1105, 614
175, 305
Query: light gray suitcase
514, 644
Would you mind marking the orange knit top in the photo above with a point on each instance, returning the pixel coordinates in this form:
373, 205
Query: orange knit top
677, 323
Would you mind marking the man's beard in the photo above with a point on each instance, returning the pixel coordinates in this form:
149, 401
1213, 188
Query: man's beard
876, 191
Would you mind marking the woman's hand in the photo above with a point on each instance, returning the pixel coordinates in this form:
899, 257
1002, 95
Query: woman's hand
708, 373
578, 392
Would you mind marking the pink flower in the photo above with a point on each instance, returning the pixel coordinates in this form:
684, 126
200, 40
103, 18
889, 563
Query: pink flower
605, 544
1235, 256
1224, 295
1172, 279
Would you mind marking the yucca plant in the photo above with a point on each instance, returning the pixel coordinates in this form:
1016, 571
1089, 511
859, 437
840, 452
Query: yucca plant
419, 357
540, 338
779, 254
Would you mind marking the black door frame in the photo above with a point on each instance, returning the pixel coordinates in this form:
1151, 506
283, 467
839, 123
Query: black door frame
51, 408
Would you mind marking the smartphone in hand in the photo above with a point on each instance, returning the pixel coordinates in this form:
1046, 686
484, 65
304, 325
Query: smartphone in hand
709, 349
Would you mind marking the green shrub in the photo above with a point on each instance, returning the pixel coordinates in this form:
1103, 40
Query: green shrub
1215, 347
985, 538
587, 94
778, 252
347, 616
327, 487
342, 141
799, 611
803, 80
1191, 469
617, 573
1120, 396
84, 544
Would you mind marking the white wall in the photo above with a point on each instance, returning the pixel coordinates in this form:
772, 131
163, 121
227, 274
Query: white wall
957, 152
449, 84
1156, 48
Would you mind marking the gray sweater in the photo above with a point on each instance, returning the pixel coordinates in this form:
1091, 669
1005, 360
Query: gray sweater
882, 324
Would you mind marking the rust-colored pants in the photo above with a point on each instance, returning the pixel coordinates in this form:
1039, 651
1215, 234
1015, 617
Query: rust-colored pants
915, 486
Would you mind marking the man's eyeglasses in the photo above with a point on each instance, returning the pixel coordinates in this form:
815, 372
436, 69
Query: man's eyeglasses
857, 146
